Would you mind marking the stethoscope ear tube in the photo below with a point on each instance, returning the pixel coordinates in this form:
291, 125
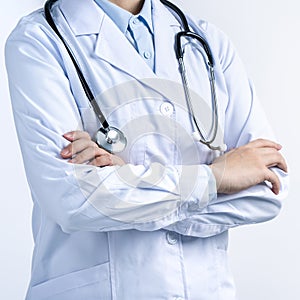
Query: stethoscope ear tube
189, 34
179, 13
85, 86
197, 134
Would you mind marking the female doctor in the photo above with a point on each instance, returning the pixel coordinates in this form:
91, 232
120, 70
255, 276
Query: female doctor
150, 222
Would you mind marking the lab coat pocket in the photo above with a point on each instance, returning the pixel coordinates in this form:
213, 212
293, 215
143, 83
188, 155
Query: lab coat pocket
92, 284
89, 120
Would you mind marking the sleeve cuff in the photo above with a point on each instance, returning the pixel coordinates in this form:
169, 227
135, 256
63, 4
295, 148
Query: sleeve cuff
203, 193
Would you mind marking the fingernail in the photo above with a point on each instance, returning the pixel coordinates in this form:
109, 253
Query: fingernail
68, 135
65, 152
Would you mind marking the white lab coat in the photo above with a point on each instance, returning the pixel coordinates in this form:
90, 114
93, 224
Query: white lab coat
154, 228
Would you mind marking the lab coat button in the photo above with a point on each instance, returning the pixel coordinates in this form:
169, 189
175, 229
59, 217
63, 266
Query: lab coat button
166, 109
147, 54
172, 237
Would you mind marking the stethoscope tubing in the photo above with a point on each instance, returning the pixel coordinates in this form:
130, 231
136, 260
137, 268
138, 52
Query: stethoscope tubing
85, 86
186, 33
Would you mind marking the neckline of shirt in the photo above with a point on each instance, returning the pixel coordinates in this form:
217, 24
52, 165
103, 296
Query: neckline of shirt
122, 17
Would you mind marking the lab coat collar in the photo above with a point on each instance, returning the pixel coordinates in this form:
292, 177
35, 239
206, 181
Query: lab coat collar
86, 17
165, 27
113, 47
119, 15
83, 16
123, 55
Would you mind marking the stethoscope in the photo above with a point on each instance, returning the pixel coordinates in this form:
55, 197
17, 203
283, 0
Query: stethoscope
111, 138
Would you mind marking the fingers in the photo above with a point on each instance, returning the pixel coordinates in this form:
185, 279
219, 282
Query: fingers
249, 165
79, 141
77, 146
260, 143
76, 135
269, 149
274, 180
102, 160
83, 150
273, 158
87, 154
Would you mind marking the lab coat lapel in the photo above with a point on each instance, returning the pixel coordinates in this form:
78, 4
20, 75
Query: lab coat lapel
165, 28
113, 47
83, 17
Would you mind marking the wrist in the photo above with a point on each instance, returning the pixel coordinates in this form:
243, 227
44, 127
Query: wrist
218, 177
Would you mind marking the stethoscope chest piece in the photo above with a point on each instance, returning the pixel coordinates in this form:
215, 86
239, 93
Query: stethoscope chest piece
113, 140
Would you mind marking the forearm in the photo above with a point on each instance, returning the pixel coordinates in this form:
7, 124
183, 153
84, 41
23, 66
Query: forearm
129, 197
81, 197
254, 205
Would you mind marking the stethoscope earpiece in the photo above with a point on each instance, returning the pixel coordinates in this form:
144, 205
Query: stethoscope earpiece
196, 136
223, 147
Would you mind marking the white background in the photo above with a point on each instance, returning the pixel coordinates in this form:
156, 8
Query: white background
264, 258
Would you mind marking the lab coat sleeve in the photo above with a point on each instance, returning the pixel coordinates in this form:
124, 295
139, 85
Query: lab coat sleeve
83, 197
245, 121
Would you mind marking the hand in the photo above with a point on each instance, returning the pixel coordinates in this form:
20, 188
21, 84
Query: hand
83, 150
247, 166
